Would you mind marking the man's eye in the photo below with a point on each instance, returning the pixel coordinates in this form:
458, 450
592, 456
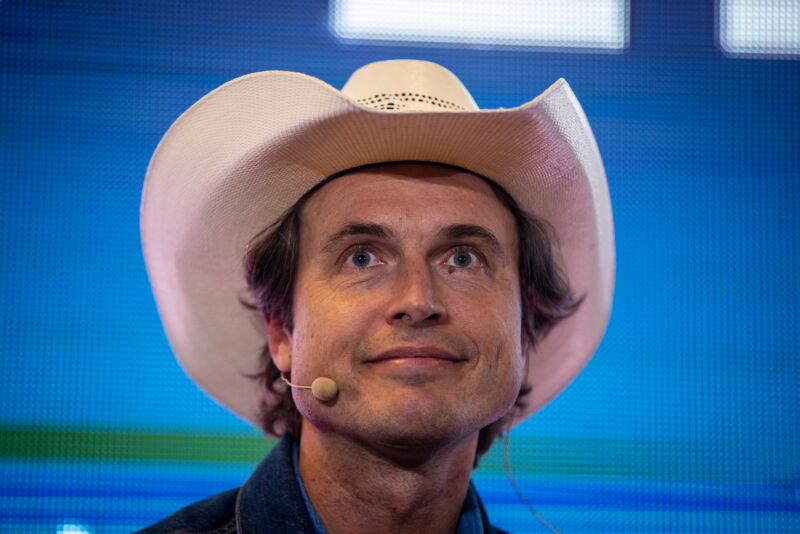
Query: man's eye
362, 259
463, 259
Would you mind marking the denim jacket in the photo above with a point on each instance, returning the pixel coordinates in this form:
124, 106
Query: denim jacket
270, 501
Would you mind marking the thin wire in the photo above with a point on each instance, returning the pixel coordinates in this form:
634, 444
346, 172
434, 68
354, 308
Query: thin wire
528, 505
293, 385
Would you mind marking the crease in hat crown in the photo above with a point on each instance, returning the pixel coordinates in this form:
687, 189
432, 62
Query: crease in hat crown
408, 85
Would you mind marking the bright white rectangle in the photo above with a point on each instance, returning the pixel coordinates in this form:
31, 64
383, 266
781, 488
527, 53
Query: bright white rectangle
761, 27
538, 23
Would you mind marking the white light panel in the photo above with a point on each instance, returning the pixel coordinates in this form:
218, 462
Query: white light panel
760, 27
538, 23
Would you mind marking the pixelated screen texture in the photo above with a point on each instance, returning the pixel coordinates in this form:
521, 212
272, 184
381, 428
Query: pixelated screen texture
686, 419
543, 23
760, 27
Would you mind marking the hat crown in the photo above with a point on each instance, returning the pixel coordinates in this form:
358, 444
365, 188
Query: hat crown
408, 85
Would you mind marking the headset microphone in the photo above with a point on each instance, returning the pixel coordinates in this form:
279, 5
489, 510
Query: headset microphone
323, 388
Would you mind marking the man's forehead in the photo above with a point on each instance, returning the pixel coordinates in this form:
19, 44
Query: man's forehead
409, 186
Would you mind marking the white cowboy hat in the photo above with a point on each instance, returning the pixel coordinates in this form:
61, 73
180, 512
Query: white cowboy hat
232, 163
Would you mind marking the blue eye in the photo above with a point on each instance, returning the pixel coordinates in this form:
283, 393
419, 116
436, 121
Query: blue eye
463, 259
361, 258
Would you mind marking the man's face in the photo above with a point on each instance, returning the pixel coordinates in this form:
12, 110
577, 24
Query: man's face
407, 295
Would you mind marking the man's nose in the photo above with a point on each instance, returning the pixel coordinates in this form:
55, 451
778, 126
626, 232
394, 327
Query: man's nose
416, 301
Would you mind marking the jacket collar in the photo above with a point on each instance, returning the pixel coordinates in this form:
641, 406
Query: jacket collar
270, 500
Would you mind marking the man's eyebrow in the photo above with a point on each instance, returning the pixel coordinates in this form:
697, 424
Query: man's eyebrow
359, 229
460, 231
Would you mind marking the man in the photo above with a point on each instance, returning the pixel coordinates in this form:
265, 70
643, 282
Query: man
422, 275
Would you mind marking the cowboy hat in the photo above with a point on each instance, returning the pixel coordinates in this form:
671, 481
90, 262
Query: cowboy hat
232, 163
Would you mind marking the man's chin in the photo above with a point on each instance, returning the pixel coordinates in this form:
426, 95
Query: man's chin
415, 434
412, 425
414, 448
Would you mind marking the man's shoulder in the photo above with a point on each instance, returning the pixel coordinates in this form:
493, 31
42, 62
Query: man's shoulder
215, 515
269, 500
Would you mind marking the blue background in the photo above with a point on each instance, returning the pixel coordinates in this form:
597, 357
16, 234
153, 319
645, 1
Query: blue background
685, 421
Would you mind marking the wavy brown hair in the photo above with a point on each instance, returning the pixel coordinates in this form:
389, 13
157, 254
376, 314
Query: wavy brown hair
270, 265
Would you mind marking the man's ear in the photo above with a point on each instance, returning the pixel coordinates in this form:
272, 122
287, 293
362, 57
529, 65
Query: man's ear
527, 342
279, 341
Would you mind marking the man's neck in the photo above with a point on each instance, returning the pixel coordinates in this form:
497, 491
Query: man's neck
355, 488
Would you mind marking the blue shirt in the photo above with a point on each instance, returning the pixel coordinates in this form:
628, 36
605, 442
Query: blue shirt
470, 521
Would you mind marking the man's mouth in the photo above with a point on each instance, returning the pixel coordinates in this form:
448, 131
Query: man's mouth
416, 353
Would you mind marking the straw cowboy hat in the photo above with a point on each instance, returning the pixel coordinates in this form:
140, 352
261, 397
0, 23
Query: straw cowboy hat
233, 162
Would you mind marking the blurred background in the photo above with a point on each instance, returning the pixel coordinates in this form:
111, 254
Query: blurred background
686, 420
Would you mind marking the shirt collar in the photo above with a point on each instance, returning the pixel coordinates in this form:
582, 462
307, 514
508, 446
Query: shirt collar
319, 528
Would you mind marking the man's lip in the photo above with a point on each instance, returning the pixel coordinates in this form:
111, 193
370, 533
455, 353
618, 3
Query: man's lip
416, 352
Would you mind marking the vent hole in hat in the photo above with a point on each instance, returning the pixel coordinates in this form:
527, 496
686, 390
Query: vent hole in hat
395, 101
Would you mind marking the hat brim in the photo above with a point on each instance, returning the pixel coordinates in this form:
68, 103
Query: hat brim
238, 158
